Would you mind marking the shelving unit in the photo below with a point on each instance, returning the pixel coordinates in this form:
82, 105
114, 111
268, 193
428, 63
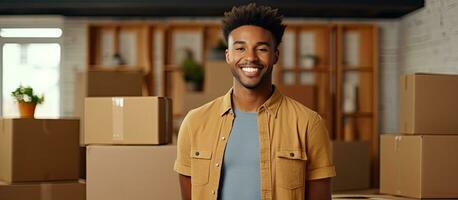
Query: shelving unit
308, 83
342, 85
356, 87
132, 42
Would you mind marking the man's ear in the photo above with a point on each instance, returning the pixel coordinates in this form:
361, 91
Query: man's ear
227, 56
276, 56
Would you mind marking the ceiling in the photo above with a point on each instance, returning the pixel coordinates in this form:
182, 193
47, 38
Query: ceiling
166, 8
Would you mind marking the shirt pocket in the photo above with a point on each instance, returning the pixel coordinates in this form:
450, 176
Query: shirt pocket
290, 168
200, 166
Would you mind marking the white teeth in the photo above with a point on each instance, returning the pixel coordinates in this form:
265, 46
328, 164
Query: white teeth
250, 69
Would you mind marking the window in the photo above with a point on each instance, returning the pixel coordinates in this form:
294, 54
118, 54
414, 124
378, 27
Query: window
31, 57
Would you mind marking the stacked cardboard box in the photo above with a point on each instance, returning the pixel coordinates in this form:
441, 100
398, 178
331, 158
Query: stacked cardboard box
422, 160
352, 163
75, 190
33, 151
127, 153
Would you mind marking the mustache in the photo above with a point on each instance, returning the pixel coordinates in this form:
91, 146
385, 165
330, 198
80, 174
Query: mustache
250, 64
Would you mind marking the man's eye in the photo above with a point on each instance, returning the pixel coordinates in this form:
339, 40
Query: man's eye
239, 49
263, 49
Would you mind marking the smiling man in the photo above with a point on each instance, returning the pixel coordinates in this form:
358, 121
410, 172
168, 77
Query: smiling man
253, 143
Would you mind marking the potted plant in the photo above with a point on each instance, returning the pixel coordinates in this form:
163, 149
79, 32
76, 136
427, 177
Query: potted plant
193, 72
27, 101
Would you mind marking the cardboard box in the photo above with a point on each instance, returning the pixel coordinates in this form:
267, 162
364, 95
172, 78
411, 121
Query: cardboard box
428, 104
128, 120
352, 163
39, 149
43, 191
305, 94
373, 194
132, 172
421, 166
364, 195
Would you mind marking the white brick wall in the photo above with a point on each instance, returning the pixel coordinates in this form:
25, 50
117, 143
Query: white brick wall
73, 59
388, 76
429, 38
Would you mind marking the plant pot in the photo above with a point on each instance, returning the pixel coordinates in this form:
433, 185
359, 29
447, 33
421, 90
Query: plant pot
193, 86
26, 110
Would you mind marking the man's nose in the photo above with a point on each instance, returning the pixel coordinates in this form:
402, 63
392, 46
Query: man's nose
251, 56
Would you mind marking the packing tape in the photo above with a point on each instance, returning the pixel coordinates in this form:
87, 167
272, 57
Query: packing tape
46, 191
397, 146
117, 118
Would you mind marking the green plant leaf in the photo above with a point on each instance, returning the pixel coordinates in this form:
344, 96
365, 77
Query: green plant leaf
26, 94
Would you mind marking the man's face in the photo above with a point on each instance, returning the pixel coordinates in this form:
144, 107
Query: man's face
251, 53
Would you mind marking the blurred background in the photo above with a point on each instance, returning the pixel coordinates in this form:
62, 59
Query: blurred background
343, 59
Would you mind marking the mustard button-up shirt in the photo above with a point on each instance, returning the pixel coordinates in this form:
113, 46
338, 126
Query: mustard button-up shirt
294, 147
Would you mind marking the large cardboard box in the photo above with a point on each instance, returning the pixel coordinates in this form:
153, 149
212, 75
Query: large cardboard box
128, 120
428, 104
43, 191
305, 94
39, 149
366, 194
132, 172
352, 163
419, 166
106, 84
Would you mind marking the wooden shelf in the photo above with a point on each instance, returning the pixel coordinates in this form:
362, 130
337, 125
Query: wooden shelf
172, 68
357, 69
359, 115
115, 68
313, 70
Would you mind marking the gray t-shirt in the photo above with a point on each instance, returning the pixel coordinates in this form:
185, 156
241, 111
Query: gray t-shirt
240, 177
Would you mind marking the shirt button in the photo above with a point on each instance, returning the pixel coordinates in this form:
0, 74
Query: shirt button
197, 153
223, 138
217, 164
213, 192
291, 154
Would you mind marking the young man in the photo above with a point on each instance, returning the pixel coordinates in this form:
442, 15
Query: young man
253, 143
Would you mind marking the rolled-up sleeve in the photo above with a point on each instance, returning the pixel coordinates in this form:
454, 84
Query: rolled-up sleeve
183, 162
319, 161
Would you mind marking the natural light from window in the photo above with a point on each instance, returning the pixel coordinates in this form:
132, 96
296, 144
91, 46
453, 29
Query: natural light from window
30, 32
35, 65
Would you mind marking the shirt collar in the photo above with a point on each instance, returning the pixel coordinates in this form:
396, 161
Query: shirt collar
271, 105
